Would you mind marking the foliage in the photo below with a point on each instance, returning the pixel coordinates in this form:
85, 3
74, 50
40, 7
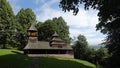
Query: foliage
47, 28
62, 29
24, 17
80, 48
7, 24
13, 29
109, 18
91, 55
64, 63
68, 5
82, 51
11, 58
39, 28
101, 56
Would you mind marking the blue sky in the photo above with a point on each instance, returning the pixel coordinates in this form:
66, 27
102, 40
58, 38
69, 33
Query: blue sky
83, 23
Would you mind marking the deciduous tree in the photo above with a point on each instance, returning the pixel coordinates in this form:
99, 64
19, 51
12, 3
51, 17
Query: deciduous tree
62, 29
80, 47
47, 29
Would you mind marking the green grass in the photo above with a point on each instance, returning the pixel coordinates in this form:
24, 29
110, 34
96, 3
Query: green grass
11, 58
46, 62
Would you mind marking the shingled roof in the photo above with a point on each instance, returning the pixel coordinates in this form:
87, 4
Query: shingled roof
56, 40
55, 34
44, 45
32, 27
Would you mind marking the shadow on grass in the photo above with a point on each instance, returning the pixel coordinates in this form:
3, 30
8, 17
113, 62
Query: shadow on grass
15, 60
59, 63
17, 52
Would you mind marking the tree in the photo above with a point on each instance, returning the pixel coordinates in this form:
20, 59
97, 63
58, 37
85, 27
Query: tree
7, 23
109, 18
83, 51
25, 17
62, 29
39, 28
80, 48
101, 55
47, 28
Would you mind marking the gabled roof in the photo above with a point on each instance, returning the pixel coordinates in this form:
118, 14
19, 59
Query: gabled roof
32, 27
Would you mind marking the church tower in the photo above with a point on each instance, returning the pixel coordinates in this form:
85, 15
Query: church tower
57, 41
32, 33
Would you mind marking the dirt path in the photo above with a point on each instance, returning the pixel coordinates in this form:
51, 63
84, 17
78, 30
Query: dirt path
34, 63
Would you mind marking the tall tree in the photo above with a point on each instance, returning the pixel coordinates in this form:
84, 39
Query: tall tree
45, 30
7, 23
81, 47
62, 29
25, 17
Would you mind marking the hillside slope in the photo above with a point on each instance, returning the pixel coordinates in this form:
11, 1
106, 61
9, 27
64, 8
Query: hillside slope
10, 58
47, 62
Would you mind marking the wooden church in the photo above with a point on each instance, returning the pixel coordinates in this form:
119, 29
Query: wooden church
55, 46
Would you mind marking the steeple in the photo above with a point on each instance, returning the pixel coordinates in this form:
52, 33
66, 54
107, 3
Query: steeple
32, 27
32, 33
56, 41
55, 34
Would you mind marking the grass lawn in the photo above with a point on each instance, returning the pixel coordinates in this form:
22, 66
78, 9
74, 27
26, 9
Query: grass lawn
11, 58
46, 62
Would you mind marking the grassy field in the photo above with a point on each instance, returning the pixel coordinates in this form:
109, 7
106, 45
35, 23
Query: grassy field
46, 62
11, 58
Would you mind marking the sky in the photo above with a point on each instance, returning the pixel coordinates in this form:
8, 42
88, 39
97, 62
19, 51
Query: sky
83, 23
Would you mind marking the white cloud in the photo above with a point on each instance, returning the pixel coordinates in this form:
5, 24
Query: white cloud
14, 5
95, 41
83, 23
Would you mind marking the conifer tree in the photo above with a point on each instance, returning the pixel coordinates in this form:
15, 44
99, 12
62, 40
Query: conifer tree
7, 23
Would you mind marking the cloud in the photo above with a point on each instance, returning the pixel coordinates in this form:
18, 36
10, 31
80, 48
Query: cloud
14, 5
83, 23
94, 42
